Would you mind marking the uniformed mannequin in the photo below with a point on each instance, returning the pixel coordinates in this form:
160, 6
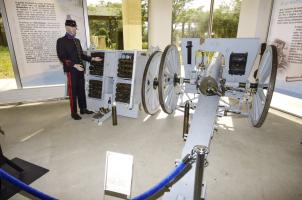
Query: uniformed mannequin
70, 53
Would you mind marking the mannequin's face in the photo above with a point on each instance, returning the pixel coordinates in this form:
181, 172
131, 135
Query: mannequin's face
71, 30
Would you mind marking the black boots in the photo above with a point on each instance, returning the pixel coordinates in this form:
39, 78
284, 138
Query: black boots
85, 111
75, 116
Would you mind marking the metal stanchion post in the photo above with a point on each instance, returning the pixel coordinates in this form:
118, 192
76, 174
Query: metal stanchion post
200, 159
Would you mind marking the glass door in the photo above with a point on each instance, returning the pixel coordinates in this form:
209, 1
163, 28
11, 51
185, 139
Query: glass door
7, 77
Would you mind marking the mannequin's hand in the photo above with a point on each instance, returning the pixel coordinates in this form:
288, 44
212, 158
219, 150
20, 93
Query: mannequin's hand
97, 59
79, 67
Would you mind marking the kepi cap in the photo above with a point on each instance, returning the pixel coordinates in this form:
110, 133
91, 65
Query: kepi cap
70, 22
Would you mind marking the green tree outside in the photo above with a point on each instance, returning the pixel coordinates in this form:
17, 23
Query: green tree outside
105, 19
226, 19
193, 22
6, 68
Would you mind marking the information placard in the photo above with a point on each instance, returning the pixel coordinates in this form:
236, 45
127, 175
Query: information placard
35, 26
286, 33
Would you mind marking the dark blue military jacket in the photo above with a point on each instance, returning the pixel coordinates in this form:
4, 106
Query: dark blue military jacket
70, 52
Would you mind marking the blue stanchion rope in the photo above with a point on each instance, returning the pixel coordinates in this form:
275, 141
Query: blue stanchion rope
4, 175
178, 170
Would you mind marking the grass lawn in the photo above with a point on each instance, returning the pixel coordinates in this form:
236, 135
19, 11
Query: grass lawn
6, 68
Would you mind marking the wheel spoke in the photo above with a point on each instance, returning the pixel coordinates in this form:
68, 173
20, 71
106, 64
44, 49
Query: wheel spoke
255, 108
175, 99
170, 98
261, 94
266, 74
151, 74
177, 62
265, 67
263, 61
168, 73
174, 61
168, 90
153, 71
149, 87
260, 105
149, 94
150, 97
154, 102
169, 63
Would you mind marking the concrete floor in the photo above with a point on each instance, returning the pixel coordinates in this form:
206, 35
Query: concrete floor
245, 162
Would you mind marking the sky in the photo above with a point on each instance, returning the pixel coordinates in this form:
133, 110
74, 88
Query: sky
194, 4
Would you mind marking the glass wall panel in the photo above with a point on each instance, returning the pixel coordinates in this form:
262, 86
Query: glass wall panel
106, 25
190, 19
226, 18
7, 78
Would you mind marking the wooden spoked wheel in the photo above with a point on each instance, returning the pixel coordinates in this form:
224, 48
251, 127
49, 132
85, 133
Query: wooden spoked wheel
265, 79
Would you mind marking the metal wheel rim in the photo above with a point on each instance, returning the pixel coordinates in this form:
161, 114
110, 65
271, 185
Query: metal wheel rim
149, 92
167, 89
266, 77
